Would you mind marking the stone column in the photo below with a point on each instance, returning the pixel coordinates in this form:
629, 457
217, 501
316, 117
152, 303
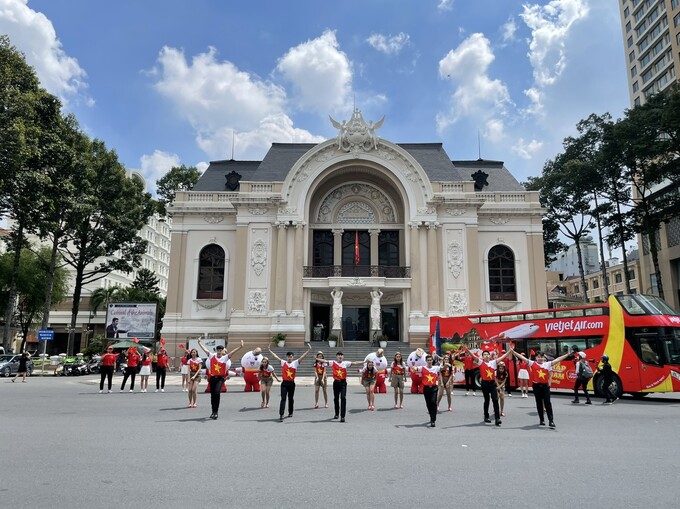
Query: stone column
432, 268
374, 248
240, 297
475, 276
298, 263
178, 257
290, 262
414, 263
281, 255
337, 246
423, 258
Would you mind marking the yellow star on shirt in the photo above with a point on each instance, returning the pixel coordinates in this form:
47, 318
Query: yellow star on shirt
340, 374
289, 373
430, 378
217, 368
489, 373
541, 374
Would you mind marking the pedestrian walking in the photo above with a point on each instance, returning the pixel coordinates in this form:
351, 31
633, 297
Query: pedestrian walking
583, 375
22, 370
605, 369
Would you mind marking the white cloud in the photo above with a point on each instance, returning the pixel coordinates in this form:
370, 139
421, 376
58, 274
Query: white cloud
156, 165
526, 150
391, 44
33, 34
550, 25
320, 73
202, 166
509, 29
445, 5
218, 99
494, 130
253, 143
476, 93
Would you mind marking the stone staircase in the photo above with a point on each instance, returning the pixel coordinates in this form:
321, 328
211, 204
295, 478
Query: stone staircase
353, 350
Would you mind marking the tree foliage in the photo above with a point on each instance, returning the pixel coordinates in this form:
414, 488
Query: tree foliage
179, 178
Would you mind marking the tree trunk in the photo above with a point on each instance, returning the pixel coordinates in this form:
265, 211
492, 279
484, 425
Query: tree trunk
581, 271
50, 284
623, 246
9, 313
77, 290
603, 265
655, 260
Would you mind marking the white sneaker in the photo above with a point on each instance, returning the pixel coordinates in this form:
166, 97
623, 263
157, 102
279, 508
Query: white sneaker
131, 390
467, 393
156, 390
474, 393
162, 390
100, 392
110, 391
122, 390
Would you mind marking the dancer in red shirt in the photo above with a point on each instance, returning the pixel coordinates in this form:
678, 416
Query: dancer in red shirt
339, 367
320, 380
487, 371
288, 372
397, 377
161, 369
133, 359
217, 364
430, 376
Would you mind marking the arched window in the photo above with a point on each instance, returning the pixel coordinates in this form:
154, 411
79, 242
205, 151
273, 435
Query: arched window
211, 273
502, 274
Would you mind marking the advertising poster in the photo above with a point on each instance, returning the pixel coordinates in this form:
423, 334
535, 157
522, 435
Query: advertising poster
127, 320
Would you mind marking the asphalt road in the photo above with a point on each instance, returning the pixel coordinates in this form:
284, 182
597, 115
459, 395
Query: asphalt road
66, 445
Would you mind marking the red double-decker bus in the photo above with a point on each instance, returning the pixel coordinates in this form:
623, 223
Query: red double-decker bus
639, 333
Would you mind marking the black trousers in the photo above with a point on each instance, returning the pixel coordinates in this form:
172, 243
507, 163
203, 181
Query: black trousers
430, 393
542, 396
287, 392
215, 383
132, 373
106, 372
470, 380
340, 397
608, 394
160, 378
490, 392
583, 383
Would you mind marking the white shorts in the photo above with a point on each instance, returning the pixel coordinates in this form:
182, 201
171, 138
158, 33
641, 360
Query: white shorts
145, 371
523, 374
185, 369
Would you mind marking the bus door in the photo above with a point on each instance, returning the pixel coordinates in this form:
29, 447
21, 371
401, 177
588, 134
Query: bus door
649, 360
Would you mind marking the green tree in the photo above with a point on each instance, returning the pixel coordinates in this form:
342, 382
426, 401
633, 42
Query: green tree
28, 119
147, 281
102, 296
103, 226
31, 284
179, 178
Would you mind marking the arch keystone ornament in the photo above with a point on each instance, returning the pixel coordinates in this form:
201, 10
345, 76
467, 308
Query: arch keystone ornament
356, 135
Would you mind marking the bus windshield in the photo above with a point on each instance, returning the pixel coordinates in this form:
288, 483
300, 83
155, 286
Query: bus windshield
672, 345
645, 305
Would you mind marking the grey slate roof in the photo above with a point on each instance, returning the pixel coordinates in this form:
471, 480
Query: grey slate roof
431, 156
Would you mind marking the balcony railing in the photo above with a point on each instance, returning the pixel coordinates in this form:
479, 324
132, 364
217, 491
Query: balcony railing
357, 271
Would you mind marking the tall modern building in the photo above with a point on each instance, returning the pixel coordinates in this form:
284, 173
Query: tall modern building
651, 36
357, 234
567, 260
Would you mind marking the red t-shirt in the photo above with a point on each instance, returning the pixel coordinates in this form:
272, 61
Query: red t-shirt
133, 359
147, 361
468, 362
162, 360
109, 359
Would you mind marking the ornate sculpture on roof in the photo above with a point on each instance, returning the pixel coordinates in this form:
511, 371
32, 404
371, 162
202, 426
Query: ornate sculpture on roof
356, 135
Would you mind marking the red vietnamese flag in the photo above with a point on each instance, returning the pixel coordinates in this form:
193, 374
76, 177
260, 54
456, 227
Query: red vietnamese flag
429, 377
217, 368
356, 247
539, 375
288, 373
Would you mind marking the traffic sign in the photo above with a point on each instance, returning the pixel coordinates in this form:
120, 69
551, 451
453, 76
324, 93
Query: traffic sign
45, 335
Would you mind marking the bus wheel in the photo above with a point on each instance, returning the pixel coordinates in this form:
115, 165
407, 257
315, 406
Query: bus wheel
615, 387
639, 395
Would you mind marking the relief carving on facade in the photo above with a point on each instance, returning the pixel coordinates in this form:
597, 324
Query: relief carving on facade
257, 301
257, 211
287, 211
457, 303
369, 193
209, 304
213, 219
455, 212
454, 255
258, 256
499, 220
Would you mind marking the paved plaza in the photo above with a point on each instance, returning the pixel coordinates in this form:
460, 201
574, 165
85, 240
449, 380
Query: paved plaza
66, 445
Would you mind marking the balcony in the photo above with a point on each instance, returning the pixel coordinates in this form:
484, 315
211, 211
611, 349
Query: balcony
357, 271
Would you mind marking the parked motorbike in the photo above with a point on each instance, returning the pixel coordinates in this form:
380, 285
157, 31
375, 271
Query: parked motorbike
95, 365
76, 368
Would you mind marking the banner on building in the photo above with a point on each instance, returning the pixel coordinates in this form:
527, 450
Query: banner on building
131, 320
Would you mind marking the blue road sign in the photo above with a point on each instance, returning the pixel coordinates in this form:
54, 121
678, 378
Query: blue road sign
45, 335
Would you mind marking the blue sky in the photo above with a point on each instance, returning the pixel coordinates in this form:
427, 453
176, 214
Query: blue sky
168, 82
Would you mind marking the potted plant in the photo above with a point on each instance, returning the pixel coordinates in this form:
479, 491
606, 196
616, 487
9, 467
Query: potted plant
382, 341
332, 340
280, 339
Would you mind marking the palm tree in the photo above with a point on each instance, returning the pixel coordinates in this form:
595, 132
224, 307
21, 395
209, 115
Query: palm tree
102, 296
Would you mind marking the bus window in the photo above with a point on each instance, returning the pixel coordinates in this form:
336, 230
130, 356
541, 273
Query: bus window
547, 346
490, 319
567, 345
596, 311
631, 306
539, 316
568, 313
512, 318
648, 348
593, 342
672, 345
